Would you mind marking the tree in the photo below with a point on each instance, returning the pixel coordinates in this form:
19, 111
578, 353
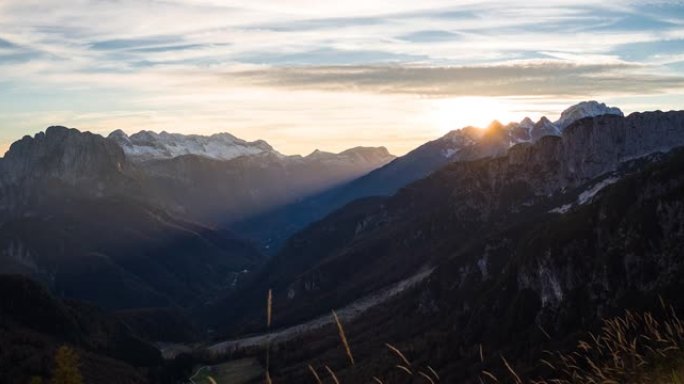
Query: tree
66, 367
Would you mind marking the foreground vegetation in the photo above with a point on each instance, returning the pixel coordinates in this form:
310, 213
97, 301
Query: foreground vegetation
634, 348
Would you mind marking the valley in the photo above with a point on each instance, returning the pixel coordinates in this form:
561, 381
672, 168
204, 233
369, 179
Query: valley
347, 313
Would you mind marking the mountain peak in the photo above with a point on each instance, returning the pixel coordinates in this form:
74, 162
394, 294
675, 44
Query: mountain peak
494, 125
120, 137
357, 154
62, 153
466, 134
543, 127
369, 152
544, 121
584, 109
527, 123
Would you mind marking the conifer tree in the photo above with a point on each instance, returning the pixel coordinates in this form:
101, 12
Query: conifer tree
66, 367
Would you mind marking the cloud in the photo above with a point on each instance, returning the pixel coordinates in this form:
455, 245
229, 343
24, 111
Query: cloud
278, 65
533, 78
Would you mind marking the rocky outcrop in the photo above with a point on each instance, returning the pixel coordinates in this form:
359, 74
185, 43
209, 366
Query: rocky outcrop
64, 154
40, 167
585, 109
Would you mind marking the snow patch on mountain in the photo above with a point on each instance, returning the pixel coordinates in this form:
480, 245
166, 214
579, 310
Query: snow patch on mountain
449, 152
147, 145
587, 196
562, 209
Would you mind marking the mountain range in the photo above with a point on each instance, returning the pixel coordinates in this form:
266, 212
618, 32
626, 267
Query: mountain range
512, 228
77, 209
166, 219
460, 198
274, 227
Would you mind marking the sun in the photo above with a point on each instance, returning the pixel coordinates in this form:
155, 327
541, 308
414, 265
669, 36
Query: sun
455, 113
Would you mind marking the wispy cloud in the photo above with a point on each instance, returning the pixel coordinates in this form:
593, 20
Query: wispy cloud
533, 78
114, 62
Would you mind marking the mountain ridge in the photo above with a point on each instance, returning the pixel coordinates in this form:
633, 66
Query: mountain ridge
460, 196
272, 228
149, 145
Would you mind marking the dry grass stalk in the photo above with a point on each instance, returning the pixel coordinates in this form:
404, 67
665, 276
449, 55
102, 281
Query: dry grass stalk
397, 352
510, 369
628, 349
343, 338
269, 312
544, 332
315, 374
491, 376
269, 308
434, 373
332, 374
377, 380
428, 378
405, 369
211, 380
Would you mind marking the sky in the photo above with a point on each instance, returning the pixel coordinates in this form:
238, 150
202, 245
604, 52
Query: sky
320, 74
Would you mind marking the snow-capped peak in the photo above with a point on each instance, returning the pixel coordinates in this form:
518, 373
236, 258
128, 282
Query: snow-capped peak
585, 109
148, 145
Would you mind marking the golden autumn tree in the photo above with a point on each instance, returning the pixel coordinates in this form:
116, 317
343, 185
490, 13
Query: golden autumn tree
66, 367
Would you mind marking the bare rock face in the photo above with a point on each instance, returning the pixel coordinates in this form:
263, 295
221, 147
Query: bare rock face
37, 167
590, 147
598, 145
64, 154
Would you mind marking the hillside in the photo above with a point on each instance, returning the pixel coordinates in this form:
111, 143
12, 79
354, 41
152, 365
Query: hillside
34, 324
